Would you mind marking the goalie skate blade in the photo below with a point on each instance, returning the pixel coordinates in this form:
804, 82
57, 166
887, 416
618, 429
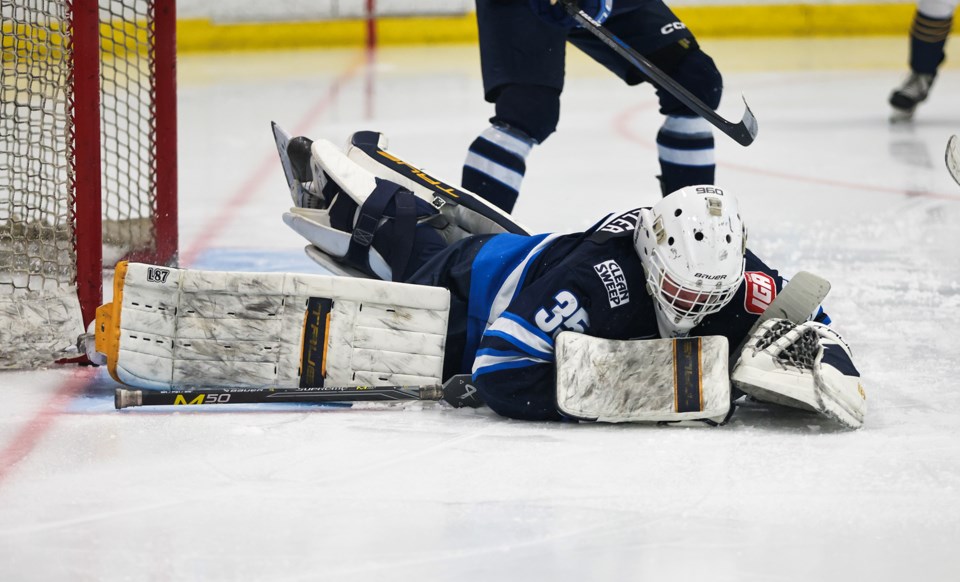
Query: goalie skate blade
952, 157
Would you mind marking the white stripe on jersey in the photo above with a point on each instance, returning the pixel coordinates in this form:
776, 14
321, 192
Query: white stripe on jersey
484, 361
513, 281
523, 336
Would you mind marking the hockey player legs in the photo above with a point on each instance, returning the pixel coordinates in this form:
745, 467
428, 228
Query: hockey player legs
522, 61
928, 36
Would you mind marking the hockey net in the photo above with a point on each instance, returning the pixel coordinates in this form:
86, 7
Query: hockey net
87, 161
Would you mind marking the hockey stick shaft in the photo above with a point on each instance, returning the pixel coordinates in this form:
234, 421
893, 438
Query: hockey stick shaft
743, 132
457, 391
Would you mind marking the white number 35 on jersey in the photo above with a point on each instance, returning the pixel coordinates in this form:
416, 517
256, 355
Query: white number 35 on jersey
564, 315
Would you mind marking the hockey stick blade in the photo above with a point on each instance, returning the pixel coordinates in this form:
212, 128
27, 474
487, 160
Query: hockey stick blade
796, 302
458, 391
952, 158
743, 132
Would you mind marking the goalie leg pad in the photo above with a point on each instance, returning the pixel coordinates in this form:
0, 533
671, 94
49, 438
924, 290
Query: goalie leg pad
369, 224
656, 380
173, 327
465, 213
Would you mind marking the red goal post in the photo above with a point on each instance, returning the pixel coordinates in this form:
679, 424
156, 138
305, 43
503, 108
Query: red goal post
88, 151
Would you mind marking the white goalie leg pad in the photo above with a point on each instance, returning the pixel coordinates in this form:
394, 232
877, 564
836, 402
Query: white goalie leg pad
329, 245
806, 366
466, 213
327, 161
656, 380
173, 327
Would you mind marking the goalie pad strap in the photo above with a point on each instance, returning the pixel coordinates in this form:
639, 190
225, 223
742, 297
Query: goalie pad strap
371, 215
655, 380
687, 379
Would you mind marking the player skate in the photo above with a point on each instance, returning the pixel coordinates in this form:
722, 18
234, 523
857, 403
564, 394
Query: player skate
367, 213
908, 95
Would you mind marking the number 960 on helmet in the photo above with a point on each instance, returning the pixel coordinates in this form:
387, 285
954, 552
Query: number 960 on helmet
691, 245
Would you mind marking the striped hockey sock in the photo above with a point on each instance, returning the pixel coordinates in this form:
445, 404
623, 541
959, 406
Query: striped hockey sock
928, 36
495, 165
685, 148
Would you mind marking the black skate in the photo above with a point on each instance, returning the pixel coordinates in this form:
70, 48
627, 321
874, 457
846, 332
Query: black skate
911, 93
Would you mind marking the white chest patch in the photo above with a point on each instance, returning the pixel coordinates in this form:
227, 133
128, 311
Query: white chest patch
614, 281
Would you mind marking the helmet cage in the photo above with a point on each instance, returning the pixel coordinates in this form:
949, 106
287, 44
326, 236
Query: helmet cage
686, 303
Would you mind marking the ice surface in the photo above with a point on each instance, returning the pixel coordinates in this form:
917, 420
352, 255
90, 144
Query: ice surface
422, 492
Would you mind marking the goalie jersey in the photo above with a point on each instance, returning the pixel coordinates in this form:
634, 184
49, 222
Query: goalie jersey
512, 295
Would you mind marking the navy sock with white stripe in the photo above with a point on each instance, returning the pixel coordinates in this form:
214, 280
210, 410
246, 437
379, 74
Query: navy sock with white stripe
685, 148
928, 36
496, 164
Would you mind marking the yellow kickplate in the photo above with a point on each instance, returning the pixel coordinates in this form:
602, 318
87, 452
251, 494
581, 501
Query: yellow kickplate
108, 322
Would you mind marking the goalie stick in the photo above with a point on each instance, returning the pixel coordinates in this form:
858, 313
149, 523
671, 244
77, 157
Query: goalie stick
803, 293
952, 157
743, 133
457, 391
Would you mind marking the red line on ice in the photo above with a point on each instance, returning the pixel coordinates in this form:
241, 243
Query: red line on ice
621, 125
26, 440
254, 181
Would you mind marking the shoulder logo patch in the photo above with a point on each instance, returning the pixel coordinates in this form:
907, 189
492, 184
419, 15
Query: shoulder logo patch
761, 291
613, 279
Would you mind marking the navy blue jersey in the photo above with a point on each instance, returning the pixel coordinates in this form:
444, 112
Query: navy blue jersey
516, 293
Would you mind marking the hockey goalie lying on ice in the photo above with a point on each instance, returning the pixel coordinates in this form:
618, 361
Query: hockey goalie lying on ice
636, 319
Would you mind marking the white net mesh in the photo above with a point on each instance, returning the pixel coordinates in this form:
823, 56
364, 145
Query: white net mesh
39, 308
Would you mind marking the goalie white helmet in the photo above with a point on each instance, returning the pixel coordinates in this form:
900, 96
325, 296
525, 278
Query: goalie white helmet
692, 245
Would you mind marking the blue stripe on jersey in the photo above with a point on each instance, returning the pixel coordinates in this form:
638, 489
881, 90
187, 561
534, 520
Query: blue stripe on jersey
821, 316
495, 263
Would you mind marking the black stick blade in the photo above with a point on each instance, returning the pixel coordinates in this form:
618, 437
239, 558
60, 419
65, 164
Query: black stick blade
460, 392
746, 131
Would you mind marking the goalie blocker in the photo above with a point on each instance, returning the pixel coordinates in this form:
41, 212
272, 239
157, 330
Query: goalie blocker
650, 380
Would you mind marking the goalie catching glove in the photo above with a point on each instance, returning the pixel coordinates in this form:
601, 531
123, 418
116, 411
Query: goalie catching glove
806, 366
